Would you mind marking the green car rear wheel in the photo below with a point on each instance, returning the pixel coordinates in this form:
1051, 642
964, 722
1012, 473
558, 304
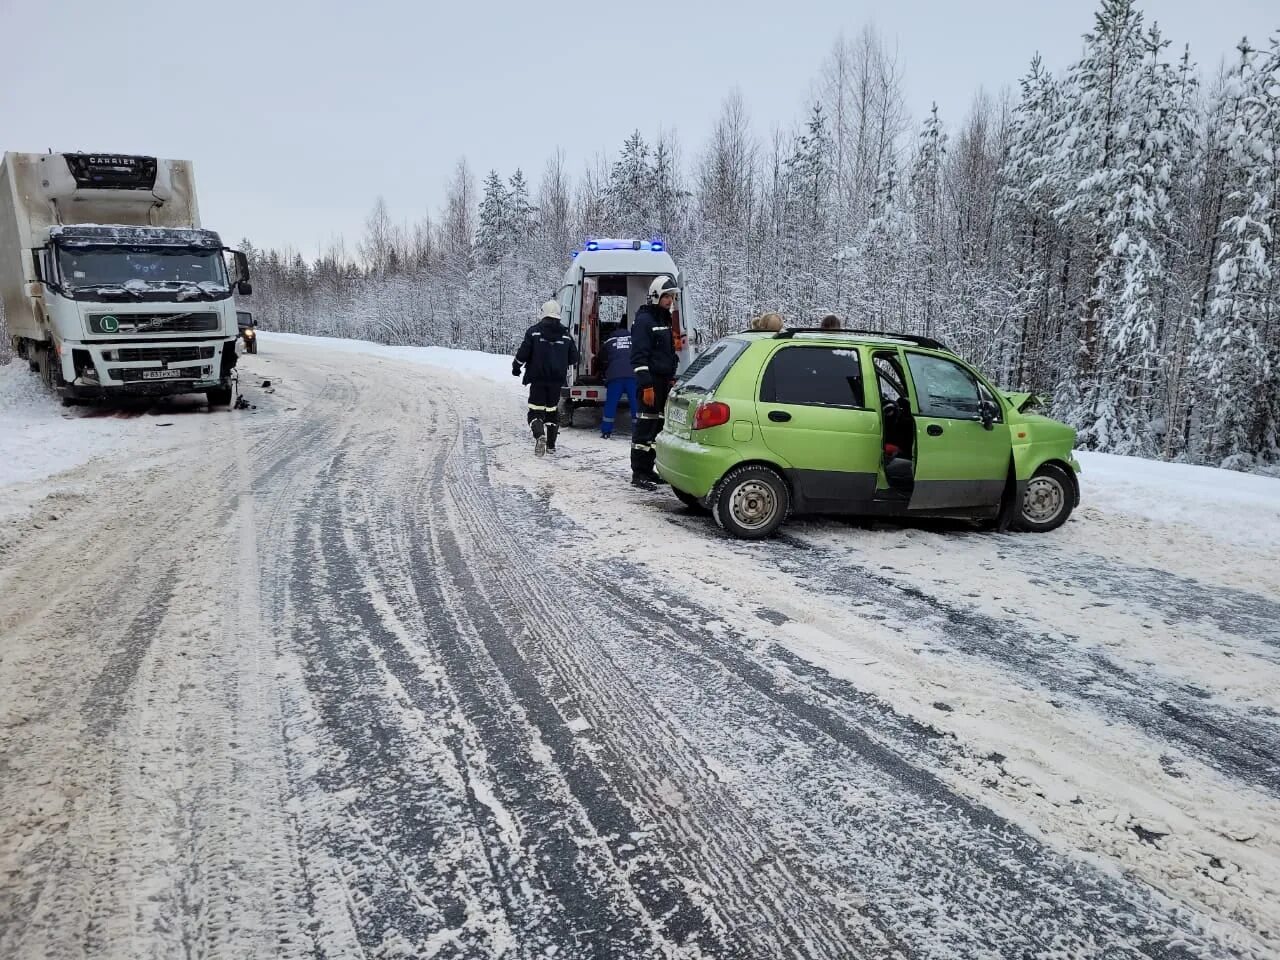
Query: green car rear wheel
751, 502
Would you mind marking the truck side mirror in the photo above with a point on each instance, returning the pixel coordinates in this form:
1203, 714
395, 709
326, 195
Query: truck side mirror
244, 288
242, 265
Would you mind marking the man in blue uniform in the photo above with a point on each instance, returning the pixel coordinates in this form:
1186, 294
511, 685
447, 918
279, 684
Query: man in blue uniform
614, 363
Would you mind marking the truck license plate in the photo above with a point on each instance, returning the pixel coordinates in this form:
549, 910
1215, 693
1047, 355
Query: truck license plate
161, 374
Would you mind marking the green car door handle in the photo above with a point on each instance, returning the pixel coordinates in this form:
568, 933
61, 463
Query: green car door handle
934, 430
779, 416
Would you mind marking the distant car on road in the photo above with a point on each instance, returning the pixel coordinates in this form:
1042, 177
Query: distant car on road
761, 425
248, 330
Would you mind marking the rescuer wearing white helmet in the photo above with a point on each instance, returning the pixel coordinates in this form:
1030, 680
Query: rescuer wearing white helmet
547, 352
654, 359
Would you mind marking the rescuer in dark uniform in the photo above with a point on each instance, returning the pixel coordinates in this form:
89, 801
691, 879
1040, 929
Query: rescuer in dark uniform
654, 360
547, 352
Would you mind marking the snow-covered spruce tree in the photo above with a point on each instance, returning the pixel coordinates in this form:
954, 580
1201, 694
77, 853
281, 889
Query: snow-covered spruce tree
926, 212
885, 263
493, 221
1139, 218
488, 293
1238, 344
522, 213
669, 201
520, 262
629, 195
719, 254
976, 310
806, 251
1122, 135
1031, 188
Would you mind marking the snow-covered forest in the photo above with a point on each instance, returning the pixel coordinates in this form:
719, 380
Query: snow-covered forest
1104, 232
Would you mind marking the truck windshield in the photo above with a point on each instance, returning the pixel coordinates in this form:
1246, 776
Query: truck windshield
143, 269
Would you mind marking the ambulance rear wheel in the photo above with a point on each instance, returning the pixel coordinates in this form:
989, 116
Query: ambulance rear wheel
565, 413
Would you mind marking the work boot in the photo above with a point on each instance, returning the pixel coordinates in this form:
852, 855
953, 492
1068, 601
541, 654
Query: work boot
539, 438
641, 481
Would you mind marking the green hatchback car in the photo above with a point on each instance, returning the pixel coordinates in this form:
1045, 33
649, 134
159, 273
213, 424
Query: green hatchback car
763, 425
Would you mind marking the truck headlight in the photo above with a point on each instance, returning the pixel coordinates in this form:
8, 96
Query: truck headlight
249, 334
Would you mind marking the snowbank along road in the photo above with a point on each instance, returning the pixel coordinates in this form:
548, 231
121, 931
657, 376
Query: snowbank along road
361, 678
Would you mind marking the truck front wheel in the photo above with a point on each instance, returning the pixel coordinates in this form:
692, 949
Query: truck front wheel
219, 396
43, 361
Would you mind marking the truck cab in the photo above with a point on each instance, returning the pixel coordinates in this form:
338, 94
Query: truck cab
607, 281
111, 287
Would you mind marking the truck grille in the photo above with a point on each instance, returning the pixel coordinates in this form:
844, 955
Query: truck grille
130, 323
158, 354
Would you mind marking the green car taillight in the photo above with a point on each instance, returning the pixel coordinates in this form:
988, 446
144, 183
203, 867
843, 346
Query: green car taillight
711, 413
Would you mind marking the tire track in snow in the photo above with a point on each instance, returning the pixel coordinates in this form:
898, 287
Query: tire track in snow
1231, 610
977, 863
585, 835
1236, 743
1242, 744
106, 700
374, 736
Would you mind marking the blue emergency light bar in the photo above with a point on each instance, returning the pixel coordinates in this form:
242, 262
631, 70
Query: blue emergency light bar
655, 245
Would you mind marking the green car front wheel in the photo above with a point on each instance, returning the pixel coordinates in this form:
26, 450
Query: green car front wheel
1047, 500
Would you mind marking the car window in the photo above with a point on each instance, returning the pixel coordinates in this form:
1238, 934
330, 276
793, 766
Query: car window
944, 388
710, 366
814, 376
889, 378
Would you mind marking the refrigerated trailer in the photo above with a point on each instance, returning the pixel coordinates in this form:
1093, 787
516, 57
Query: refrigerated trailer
111, 286
607, 281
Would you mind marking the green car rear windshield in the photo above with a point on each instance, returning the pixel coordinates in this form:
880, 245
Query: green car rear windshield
706, 372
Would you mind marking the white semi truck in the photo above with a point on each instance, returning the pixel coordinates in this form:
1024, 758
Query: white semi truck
111, 288
607, 282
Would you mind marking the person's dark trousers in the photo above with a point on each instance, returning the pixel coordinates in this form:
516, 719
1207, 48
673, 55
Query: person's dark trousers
544, 400
648, 426
615, 390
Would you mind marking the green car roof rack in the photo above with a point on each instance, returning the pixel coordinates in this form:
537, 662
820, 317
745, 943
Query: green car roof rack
927, 342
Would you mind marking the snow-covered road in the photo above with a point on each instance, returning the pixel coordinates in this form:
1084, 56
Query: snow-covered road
363, 678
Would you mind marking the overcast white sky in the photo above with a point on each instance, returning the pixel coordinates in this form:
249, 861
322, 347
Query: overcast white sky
298, 114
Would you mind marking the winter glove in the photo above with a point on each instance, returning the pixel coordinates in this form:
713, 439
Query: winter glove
646, 396
515, 368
